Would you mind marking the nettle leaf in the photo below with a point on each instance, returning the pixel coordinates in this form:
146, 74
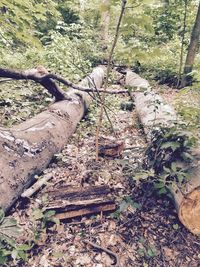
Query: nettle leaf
159, 185
123, 206
174, 166
172, 145
187, 156
9, 228
37, 214
49, 213
162, 191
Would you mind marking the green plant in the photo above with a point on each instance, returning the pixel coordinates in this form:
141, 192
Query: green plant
9, 248
169, 147
40, 221
126, 203
147, 250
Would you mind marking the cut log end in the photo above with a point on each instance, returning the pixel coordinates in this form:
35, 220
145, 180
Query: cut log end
189, 211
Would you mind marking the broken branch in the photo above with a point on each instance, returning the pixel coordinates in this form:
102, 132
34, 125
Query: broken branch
42, 76
37, 185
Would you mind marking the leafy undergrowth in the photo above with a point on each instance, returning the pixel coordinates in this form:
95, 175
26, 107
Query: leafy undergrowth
20, 101
187, 104
144, 230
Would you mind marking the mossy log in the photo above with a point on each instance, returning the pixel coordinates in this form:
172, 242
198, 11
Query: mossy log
154, 113
27, 149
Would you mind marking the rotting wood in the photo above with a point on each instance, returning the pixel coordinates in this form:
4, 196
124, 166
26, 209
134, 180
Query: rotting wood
27, 149
79, 201
187, 198
113, 149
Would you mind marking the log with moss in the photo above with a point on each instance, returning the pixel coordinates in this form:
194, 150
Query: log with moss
26, 149
156, 115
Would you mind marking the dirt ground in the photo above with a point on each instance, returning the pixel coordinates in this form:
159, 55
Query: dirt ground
143, 231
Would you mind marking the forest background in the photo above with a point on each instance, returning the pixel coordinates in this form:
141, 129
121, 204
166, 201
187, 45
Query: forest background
66, 37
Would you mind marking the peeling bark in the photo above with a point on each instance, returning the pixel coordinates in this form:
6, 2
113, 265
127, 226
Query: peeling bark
27, 149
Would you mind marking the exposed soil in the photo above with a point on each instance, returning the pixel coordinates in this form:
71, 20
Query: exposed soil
144, 231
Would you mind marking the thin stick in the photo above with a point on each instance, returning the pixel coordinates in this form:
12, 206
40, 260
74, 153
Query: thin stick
108, 251
6, 80
104, 107
107, 76
37, 185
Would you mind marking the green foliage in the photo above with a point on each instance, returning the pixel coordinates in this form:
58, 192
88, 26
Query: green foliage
126, 204
9, 248
72, 54
168, 148
40, 222
19, 19
19, 101
188, 105
147, 250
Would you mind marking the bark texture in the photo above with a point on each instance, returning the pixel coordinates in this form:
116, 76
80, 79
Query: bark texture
152, 110
191, 50
27, 149
187, 197
105, 22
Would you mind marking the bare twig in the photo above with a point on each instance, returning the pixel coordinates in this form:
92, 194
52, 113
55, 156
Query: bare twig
107, 75
108, 251
101, 102
6, 80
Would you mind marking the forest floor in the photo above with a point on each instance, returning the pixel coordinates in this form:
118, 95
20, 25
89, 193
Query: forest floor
144, 231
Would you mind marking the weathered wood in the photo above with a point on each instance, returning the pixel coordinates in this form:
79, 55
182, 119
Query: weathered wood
78, 201
154, 113
37, 185
27, 149
151, 109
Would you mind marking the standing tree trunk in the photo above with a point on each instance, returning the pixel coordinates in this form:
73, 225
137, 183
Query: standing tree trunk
191, 51
105, 21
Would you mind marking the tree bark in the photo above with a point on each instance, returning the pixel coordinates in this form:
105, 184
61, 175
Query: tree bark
27, 149
191, 51
105, 21
154, 114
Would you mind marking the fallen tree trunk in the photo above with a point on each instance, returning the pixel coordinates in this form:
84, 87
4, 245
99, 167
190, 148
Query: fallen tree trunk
155, 114
27, 149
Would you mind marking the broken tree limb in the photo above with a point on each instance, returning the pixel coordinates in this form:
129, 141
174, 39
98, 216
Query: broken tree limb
155, 114
27, 149
38, 75
37, 185
42, 76
79, 201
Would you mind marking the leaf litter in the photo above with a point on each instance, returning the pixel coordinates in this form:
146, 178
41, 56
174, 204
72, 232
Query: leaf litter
143, 231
